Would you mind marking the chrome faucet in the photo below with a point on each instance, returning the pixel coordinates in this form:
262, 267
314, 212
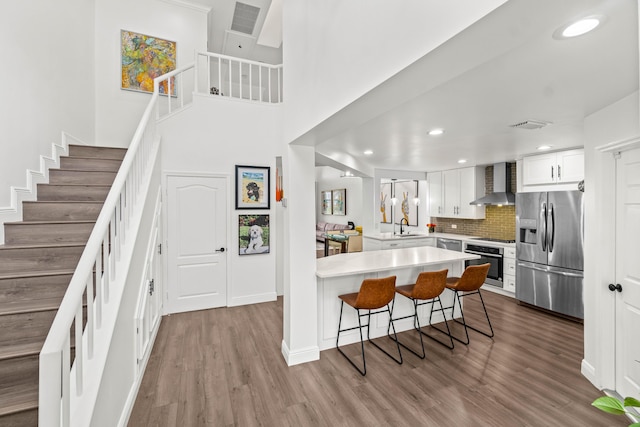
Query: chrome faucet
405, 221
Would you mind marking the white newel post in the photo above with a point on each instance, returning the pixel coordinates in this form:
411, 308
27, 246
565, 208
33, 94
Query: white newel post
300, 318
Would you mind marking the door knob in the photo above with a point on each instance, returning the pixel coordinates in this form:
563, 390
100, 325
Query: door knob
616, 287
220, 250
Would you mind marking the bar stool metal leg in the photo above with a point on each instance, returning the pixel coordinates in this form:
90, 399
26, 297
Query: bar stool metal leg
363, 371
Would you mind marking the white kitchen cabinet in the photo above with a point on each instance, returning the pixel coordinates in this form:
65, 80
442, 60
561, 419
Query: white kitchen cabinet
436, 208
376, 243
408, 243
450, 193
509, 269
553, 168
510, 283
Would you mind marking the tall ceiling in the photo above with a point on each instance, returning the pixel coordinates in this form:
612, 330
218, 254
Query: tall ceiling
505, 69
262, 44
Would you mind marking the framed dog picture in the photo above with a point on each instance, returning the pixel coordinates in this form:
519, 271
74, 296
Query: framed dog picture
252, 187
253, 234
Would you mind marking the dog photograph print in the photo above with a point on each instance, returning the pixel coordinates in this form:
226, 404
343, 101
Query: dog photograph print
252, 187
253, 233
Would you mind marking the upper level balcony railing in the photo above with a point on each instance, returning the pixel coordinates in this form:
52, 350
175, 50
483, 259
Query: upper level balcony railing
238, 78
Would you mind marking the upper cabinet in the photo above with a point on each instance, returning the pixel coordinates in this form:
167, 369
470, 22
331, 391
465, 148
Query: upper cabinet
450, 193
436, 205
553, 168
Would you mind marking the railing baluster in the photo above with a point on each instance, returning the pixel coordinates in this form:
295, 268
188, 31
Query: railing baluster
251, 82
240, 77
98, 279
270, 73
220, 76
66, 380
230, 82
90, 319
79, 359
260, 83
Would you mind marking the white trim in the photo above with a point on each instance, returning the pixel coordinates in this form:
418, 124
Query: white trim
589, 372
165, 230
252, 299
189, 5
135, 387
623, 145
13, 212
305, 355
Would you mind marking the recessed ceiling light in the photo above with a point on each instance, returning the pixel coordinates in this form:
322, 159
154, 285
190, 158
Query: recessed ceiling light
462, 161
544, 147
578, 28
436, 132
368, 152
581, 27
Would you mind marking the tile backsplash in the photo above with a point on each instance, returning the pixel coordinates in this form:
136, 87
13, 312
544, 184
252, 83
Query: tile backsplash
499, 222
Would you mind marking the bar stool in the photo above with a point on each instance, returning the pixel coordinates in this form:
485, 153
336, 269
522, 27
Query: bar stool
374, 294
472, 279
427, 289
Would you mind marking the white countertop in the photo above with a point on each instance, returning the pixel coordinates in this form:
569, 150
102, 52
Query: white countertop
390, 236
372, 261
462, 237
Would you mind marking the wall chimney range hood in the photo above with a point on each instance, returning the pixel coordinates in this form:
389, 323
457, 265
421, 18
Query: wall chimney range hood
502, 194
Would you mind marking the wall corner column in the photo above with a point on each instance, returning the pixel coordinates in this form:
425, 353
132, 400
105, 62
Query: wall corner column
300, 308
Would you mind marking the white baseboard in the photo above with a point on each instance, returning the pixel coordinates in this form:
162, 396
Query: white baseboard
13, 212
305, 355
589, 372
252, 299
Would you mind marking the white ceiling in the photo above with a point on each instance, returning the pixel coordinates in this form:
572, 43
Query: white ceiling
263, 45
504, 69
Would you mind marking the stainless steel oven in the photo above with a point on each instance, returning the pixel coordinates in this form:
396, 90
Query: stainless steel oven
491, 255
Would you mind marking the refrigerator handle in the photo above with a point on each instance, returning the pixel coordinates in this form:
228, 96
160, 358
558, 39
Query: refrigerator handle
543, 221
551, 228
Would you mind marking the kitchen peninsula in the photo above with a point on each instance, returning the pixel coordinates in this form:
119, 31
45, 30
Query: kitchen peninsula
343, 273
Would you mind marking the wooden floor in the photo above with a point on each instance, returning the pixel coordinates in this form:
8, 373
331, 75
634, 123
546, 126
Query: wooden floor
224, 367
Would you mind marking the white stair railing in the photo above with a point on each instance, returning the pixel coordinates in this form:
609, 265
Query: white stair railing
238, 78
69, 387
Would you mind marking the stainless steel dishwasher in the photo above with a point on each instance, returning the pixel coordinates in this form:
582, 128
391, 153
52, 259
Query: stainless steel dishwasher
449, 244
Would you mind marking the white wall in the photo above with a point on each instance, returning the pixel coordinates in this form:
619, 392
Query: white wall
336, 50
212, 137
118, 111
328, 178
616, 122
48, 79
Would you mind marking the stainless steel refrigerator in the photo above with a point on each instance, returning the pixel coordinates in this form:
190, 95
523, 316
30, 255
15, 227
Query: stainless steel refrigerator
549, 250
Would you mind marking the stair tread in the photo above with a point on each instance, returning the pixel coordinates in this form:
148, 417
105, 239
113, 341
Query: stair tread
64, 201
37, 274
94, 158
39, 245
56, 221
18, 399
29, 306
75, 185
21, 349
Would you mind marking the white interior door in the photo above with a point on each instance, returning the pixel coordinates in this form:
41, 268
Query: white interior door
628, 274
196, 243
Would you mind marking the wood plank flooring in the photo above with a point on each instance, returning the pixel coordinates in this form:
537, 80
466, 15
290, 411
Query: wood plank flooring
224, 367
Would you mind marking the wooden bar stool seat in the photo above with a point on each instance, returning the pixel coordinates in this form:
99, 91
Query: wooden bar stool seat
468, 284
374, 294
427, 290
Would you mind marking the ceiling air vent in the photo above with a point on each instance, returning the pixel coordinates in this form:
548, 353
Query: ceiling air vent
244, 18
530, 124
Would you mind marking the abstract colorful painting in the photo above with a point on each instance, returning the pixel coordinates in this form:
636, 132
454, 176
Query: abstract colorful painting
145, 58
